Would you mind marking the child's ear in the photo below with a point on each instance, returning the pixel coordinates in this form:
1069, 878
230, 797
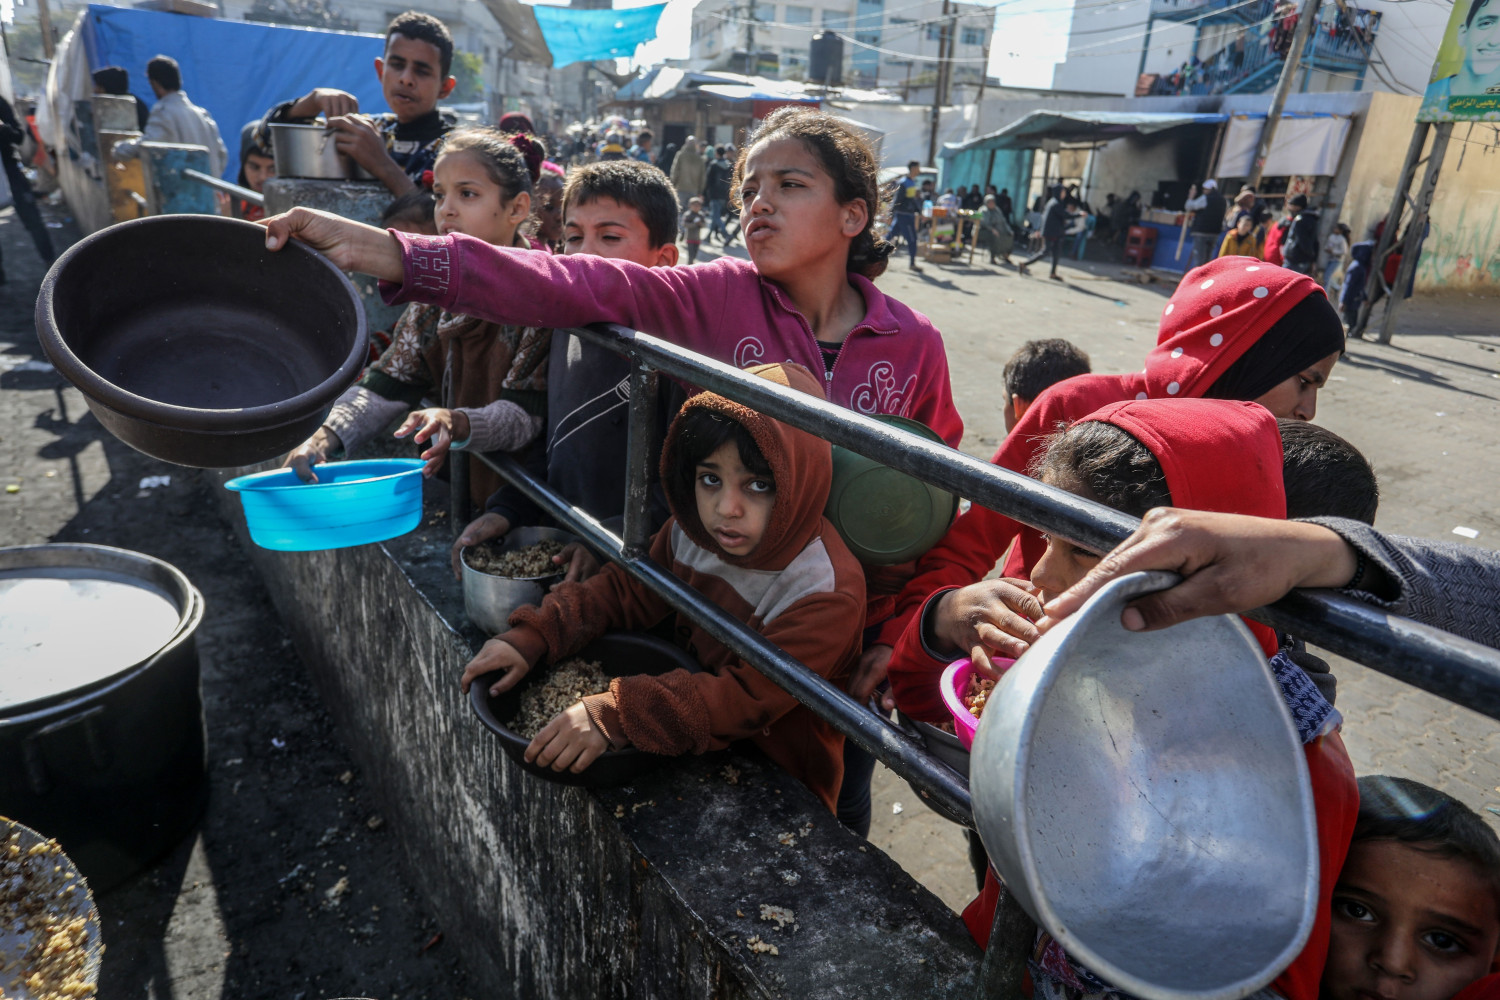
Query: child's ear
666, 255
447, 87
856, 214
380, 68
1020, 404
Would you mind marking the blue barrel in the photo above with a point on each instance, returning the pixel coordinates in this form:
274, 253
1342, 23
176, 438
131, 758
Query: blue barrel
352, 503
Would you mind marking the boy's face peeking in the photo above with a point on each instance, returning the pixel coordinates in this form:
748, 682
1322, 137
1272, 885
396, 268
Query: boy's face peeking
605, 228
1408, 925
411, 75
470, 202
734, 503
258, 170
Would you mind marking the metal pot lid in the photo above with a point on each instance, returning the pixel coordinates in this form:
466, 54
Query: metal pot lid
1146, 797
73, 616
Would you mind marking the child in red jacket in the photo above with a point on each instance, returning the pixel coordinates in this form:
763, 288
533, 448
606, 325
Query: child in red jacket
1134, 456
747, 494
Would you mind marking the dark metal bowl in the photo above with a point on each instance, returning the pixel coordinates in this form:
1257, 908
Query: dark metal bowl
194, 344
622, 654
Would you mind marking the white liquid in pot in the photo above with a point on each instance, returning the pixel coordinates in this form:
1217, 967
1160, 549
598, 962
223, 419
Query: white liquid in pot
62, 629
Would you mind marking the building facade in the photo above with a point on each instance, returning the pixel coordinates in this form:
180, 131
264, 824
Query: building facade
1196, 47
893, 44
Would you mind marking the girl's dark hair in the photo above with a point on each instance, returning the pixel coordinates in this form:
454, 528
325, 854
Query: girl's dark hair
1104, 463
702, 433
503, 160
1428, 820
846, 156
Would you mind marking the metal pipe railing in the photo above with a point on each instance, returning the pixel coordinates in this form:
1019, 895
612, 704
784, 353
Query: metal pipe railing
1438, 662
243, 193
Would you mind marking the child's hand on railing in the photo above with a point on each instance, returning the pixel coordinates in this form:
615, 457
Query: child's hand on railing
569, 742
579, 562
497, 654
441, 427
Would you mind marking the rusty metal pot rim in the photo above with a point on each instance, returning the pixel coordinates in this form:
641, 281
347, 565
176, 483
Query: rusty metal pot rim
73, 368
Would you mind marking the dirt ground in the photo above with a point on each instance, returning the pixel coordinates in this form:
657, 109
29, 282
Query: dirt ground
291, 887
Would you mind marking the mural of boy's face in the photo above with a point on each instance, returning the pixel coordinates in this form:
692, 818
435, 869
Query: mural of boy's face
1480, 36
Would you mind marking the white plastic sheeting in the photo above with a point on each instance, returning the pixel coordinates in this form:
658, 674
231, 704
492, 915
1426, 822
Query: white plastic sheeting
1310, 146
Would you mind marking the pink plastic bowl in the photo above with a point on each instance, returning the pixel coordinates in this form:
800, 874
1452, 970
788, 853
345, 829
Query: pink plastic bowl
955, 681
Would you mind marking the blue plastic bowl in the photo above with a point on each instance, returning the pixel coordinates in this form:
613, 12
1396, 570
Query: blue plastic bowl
353, 503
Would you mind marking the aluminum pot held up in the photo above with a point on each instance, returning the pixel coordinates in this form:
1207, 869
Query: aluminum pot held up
1146, 797
310, 151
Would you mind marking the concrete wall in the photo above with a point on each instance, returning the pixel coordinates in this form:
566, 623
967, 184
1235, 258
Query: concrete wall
551, 892
1463, 250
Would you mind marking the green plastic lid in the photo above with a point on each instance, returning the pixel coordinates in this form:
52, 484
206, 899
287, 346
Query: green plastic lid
884, 516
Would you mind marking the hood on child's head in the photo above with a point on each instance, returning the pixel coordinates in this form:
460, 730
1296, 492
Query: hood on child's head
1219, 311
801, 464
1218, 455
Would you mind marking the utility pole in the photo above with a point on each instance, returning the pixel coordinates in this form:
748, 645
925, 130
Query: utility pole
44, 23
1415, 228
751, 62
937, 87
1283, 87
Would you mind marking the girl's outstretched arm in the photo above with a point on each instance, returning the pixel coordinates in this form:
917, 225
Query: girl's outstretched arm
533, 288
352, 246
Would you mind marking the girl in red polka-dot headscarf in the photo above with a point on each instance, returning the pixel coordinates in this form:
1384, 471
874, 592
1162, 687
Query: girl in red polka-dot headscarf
1236, 328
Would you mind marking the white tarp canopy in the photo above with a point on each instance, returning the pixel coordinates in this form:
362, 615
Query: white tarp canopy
1306, 144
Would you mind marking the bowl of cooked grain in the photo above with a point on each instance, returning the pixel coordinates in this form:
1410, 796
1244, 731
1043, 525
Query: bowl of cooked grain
520, 713
517, 570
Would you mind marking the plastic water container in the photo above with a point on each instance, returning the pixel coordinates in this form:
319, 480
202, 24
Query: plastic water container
955, 681
352, 503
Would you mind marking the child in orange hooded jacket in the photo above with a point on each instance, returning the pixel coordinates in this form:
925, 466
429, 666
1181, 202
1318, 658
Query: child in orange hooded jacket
748, 532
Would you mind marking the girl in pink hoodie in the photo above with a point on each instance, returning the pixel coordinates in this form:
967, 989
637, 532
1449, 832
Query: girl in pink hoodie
808, 188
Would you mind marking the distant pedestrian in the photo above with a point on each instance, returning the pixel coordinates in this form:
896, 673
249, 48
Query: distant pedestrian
693, 223
1208, 211
995, 233
1054, 227
1336, 247
716, 188
176, 119
12, 132
906, 205
1299, 248
689, 170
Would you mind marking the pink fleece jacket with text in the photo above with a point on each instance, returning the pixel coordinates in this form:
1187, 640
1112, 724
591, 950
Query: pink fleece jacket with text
893, 362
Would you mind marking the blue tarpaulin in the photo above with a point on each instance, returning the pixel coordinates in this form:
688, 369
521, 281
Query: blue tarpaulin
236, 70
584, 35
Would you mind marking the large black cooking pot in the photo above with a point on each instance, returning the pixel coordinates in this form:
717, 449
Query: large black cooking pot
194, 344
104, 747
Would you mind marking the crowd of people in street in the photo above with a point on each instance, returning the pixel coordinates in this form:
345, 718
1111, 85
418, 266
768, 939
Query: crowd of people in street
496, 249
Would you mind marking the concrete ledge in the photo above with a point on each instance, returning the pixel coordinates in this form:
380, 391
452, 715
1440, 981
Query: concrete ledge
649, 891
